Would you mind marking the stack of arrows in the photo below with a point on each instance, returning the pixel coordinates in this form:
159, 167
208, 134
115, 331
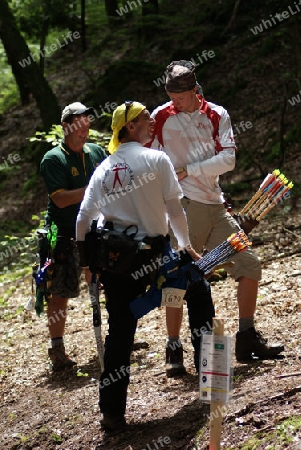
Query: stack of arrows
235, 243
179, 271
274, 189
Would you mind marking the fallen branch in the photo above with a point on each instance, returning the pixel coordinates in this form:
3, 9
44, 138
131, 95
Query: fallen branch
292, 374
235, 9
282, 256
294, 234
253, 405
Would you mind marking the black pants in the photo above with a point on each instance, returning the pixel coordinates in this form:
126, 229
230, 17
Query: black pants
120, 290
200, 313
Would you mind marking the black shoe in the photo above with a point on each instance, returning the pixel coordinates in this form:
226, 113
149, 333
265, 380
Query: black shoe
251, 345
174, 360
111, 422
139, 345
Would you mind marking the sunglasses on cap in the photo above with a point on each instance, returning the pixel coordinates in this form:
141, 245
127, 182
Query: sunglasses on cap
128, 104
188, 64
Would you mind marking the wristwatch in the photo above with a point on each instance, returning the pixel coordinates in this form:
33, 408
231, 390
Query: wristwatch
181, 169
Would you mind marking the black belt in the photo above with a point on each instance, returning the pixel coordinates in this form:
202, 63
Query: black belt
68, 233
157, 243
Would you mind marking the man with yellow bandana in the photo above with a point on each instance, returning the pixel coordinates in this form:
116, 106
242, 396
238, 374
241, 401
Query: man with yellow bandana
135, 186
66, 170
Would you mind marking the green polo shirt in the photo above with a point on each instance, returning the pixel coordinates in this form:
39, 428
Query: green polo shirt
63, 169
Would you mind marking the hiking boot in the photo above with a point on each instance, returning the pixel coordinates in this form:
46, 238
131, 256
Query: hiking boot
111, 422
59, 358
138, 345
174, 360
251, 345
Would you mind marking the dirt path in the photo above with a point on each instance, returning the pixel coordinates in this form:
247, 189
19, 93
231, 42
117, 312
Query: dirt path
42, 410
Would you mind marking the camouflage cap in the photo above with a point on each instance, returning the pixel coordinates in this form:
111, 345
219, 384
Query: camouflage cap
180, 76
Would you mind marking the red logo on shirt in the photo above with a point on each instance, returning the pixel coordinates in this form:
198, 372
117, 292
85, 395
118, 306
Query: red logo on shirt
118, 179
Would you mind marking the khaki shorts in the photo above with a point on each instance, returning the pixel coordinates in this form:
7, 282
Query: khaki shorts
209, 225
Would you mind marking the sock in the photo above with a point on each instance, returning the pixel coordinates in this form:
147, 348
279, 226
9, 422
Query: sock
56, 342
172, 340
245, 323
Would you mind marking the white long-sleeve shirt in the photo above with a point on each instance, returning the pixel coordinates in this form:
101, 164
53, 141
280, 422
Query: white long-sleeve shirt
188, 139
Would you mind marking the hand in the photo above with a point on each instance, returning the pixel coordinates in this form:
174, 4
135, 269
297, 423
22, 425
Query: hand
88, 275
194, 255
245, 222
182, 175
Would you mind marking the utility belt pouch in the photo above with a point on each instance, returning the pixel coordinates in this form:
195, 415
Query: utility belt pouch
43, 245
63, 250
157, 243
111, 250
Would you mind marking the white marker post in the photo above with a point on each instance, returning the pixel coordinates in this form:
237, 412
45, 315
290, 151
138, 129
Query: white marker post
216, 417
215, 378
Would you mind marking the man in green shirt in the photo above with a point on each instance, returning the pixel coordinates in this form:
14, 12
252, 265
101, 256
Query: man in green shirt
66, 170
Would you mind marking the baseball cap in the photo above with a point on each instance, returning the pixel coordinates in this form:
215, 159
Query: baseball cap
75, 109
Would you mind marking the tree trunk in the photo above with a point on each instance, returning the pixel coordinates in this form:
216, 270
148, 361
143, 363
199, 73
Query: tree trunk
31, 76
111, 7
150, 11
44, 33
111, 10
83, 25
233, 15
24, 90
152, 7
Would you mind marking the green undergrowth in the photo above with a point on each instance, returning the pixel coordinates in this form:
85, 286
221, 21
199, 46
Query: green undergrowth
43, 141
17, 254
18, 241
283, 435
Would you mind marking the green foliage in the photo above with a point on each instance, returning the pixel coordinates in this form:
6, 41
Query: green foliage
9, 92
30, 14
274, 153
281, 437
269, 45
30, 184
18, 248
131, 60
43, 140
119, 79
53, 136
56, 438
16, 252
18, 245
235, 189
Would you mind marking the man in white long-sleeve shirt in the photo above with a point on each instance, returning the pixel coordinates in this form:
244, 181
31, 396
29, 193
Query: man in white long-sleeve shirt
198, 137
136, 186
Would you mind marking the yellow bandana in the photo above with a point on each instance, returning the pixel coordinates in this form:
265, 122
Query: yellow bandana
118, 121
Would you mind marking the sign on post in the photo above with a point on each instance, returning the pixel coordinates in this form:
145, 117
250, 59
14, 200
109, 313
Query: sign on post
215, 377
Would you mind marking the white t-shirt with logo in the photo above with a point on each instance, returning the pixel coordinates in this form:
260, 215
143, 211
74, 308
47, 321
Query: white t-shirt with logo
131, 187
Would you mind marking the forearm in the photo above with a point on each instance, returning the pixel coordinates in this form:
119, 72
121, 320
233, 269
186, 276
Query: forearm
178, 222
65, 198
83, 223
219, 164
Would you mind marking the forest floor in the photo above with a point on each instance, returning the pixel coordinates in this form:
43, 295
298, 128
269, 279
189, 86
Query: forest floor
42, 410
45, 410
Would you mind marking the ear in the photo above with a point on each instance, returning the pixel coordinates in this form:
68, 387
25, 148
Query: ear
130, 126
